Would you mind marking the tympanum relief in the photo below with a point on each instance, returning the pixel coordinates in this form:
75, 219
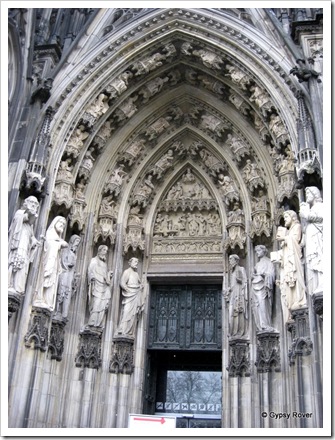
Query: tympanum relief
187, 222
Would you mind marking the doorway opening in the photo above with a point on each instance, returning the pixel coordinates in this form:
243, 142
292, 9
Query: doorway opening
184, 363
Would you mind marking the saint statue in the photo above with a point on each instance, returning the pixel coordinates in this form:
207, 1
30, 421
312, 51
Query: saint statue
99, 288
238, 298
46, 292
311, 214
22, 245
68, 258
131, 288
292, 285
262, 284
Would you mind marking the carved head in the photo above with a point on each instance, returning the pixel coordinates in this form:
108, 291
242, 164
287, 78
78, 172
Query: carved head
133, 263
290, 217
31, 206
233, 260
261, 250
102, 252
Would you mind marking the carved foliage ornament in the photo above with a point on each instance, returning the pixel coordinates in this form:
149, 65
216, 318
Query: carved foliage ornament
239, 361
89, 350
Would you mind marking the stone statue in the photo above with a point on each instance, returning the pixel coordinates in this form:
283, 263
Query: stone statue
132, 305
76, 141
162, 164
99, 289
22, 245
46, 292
68, 258
238, 77
311, 213
210, 59
238, 298
292, 286
262, 283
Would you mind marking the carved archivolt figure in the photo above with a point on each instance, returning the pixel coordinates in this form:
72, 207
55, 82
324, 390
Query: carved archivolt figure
65, 171
228, 189
66, 278
148, 64
262, 284
163, 164
76, 141
99, 106
292, 286
119, 85
132, 305
22, 245
237, 76
238, 298
46, 292
311, 213
210, 59
99, 289
108, 207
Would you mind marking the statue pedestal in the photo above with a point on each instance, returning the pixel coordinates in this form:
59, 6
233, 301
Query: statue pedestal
268, 352
123, 355
239, 359
38, 330
89, 349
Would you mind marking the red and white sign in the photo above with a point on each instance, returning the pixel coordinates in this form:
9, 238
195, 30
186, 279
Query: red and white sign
150, 421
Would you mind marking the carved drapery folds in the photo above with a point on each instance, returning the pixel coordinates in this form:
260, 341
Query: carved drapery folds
89, 350
268, 352
123, 355
239, 358
187, 222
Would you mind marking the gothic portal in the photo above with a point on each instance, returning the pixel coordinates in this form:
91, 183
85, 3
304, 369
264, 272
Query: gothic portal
165, 217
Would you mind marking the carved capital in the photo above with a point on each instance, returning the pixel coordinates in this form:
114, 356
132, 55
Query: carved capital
89, 349
123, 357
239, 360
268, 352
38, 330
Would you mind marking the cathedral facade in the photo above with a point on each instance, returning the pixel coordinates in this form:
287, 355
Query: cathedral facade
165, 217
